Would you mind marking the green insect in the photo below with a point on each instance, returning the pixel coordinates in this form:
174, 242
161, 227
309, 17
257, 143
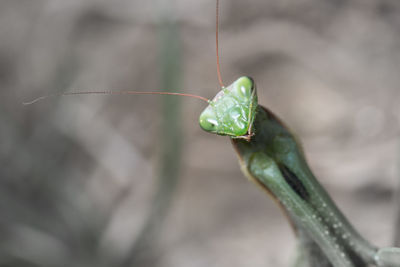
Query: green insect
271, 157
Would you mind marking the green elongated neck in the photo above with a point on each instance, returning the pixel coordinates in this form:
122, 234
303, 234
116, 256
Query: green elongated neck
313, 210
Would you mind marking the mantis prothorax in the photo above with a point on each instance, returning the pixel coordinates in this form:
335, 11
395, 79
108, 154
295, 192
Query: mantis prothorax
272, 158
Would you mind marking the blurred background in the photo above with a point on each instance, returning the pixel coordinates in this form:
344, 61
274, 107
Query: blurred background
133, 181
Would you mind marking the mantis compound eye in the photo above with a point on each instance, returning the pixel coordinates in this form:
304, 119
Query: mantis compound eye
208, 121
243, 87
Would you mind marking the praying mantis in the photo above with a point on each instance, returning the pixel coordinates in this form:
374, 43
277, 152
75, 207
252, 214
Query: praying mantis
272, 158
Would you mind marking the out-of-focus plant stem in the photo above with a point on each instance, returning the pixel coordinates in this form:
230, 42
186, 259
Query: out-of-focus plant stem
170, 139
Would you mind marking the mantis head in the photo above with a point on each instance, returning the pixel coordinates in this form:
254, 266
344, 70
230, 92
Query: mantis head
232, 110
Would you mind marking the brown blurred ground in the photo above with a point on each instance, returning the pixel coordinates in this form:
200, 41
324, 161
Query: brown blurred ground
77, 173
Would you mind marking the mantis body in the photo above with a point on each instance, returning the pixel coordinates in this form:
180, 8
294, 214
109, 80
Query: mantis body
271, 157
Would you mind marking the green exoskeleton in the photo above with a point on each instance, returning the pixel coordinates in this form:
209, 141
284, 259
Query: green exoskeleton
232, 111
271, 157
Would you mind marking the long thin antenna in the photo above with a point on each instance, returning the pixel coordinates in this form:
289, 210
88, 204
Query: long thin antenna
216, 42
114, 93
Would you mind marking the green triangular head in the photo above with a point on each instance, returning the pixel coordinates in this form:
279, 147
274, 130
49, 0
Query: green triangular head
232, 110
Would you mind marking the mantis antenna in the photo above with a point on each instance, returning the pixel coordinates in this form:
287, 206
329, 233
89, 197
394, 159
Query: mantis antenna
141, 92
216, 43
114, 93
